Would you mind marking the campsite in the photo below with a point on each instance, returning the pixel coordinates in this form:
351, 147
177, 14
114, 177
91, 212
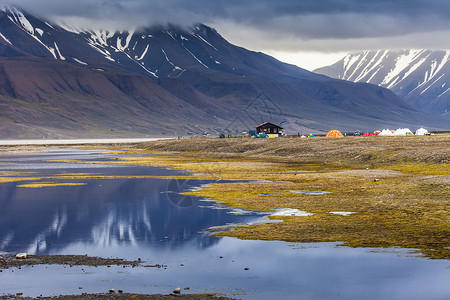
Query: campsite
271, 130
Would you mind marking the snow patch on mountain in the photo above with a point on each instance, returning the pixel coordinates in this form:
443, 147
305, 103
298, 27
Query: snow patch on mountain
401, 64
122, 47
19, 18
80, 61
143, 53
59, 52
6, 40
196, 58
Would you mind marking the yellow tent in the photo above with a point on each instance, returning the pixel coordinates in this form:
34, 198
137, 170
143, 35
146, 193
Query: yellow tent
334, 134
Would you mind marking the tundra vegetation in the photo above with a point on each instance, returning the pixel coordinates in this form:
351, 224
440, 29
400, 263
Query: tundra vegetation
396, 188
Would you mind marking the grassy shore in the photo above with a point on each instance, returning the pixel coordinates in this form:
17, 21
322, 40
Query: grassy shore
397, 188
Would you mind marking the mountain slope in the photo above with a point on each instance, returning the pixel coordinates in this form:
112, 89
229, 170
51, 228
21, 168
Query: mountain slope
421, 77
58, 80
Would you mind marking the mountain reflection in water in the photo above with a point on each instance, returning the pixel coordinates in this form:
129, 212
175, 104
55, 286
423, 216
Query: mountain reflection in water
104, 212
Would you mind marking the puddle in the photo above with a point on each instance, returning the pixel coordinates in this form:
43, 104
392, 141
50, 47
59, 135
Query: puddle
342, 213
270, 181
299, 171
286, 212
310, 192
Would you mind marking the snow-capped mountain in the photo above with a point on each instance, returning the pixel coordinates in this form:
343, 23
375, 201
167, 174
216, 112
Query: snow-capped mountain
160, 51
421, 77
59, 80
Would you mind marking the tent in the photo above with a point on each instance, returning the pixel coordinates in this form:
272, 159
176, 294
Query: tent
403, 132
421, 131
385, 132
311, 135
334, 134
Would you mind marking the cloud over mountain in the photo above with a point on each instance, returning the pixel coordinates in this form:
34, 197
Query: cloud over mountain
306, 19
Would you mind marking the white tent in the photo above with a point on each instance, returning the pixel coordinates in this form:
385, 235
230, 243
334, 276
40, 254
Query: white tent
385, 132
421, 131
403, 132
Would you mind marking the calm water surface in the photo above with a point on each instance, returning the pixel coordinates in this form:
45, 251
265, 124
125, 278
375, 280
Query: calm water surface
149, 219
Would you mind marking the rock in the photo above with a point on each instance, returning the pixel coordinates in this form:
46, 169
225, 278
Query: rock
19, 294
376, 180
21, 255
112, 291
177, 291
246, 269
120, 291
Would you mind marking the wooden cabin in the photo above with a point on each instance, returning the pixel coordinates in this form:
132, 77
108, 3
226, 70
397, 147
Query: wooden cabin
269, 128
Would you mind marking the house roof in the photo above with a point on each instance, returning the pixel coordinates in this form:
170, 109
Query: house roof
268, 124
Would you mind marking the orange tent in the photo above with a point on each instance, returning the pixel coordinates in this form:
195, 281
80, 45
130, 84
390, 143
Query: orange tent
334, 134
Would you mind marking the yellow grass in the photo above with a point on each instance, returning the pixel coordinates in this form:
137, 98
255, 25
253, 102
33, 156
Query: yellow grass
48, 184
398, 188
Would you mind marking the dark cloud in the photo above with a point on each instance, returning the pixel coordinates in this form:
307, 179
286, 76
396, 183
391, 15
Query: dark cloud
270, 23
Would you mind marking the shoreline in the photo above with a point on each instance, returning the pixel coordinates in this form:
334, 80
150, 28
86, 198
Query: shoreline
396, 187
120, 296
81, 142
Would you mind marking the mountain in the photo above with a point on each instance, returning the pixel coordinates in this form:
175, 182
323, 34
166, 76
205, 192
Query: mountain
421, 77
63, 81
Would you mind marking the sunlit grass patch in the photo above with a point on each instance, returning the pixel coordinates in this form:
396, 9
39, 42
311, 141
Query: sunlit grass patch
14, 173
424, 168
392, 211
17, 179
49, 184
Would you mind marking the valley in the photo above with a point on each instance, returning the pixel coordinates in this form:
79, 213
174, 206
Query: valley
61, 81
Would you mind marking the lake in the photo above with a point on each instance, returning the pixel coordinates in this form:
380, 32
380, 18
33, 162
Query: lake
148, 218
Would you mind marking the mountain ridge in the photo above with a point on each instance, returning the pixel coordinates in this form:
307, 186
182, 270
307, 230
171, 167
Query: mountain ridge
168, 80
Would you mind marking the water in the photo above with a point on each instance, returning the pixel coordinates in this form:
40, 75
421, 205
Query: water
310, 192
147, 218
79, 141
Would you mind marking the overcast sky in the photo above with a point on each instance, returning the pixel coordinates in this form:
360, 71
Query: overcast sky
309, 33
